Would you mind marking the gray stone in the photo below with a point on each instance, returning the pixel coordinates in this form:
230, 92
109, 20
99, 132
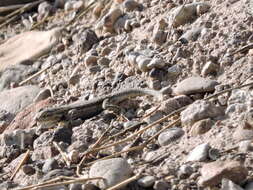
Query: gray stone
201, 127
199, 153
209, 68
229, 185
50, 164
161, 185
143, 63
170, 135
195, 85
174, 70
199, 110
112, 170
191, 35
42, 95
18, 98
156, 63
159, 37
146, 181
86, 40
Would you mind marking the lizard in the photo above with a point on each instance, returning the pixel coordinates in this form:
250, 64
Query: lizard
90, 108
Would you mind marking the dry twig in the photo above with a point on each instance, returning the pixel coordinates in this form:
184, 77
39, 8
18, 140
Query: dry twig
52, 183
124, 183
63, 154
26, 156
21, 10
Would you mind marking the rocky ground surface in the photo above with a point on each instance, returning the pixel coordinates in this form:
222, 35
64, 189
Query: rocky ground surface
79, 50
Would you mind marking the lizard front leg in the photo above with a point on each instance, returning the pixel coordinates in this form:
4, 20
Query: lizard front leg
108, 105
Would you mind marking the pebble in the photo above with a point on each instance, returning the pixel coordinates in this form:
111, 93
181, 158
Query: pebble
159, 37
62, 134
110, 18
49, 165
201, 127
174, 70
190, 35
143, 63
42, 95
195, 85
108, 168
199, 153
209, 68
104, 62
28, 169
156, 63
90, 61
146, 181
169, 136
155, 84
161, 185
212, 173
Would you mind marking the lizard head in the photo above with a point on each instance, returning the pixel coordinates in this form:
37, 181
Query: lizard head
45, 115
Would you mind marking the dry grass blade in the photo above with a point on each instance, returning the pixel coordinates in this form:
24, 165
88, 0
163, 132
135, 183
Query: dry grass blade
124, 183
119, 153
26, 156
52, 183
242, 49
8, 9
159, 132
134, 126
63, 154
153, 111
35, 75
21, 10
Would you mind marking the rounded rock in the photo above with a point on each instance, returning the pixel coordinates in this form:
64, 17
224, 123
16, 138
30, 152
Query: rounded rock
169, 136
146, 181
113, 170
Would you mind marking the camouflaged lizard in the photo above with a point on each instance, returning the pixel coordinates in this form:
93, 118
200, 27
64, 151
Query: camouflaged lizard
90, 108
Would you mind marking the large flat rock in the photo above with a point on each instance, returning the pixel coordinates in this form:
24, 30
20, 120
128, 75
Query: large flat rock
16, 99
27, 46
194, 85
